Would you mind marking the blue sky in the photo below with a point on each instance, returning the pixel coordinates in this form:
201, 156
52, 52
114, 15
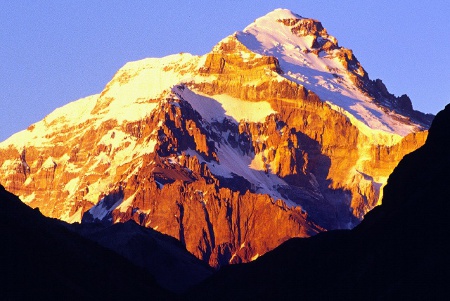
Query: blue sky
54, 52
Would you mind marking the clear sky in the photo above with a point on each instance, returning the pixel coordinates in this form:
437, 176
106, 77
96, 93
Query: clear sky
54, 52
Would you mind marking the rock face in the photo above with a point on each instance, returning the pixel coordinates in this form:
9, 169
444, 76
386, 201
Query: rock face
398, 252
278, 132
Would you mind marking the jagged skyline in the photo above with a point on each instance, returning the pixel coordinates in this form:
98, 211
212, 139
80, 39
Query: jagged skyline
57, 53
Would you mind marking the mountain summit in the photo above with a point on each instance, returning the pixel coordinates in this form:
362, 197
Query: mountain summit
278, 132
311, 57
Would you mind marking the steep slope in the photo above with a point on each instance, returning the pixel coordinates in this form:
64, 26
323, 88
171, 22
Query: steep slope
278, 132
398, 252
41, 259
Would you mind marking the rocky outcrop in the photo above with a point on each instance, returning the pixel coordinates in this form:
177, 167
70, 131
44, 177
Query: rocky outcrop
217, 225
226, 59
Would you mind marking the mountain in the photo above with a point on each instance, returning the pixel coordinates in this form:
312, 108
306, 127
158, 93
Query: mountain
40, 258
278, 132
398, 252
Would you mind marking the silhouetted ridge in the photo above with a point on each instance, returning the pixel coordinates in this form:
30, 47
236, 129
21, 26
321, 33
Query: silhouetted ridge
162, 256
40, 259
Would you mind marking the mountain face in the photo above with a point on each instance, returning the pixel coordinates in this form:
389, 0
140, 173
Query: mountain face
398, 252
278, 132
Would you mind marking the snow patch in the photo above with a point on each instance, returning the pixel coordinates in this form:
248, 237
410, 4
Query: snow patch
76, 217
377, 136
217, 107
254, 257
123, 207
28, 198
49, 163
72, 186
71, 114
103, 208
233, 161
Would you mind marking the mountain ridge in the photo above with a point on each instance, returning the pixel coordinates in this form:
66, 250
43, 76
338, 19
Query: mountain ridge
40, 257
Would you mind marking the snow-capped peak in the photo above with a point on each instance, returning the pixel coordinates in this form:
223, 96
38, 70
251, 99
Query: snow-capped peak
280, 13
309, 56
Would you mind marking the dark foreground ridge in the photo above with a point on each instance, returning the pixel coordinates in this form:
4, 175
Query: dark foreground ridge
399, 252
163, 256
41, 259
